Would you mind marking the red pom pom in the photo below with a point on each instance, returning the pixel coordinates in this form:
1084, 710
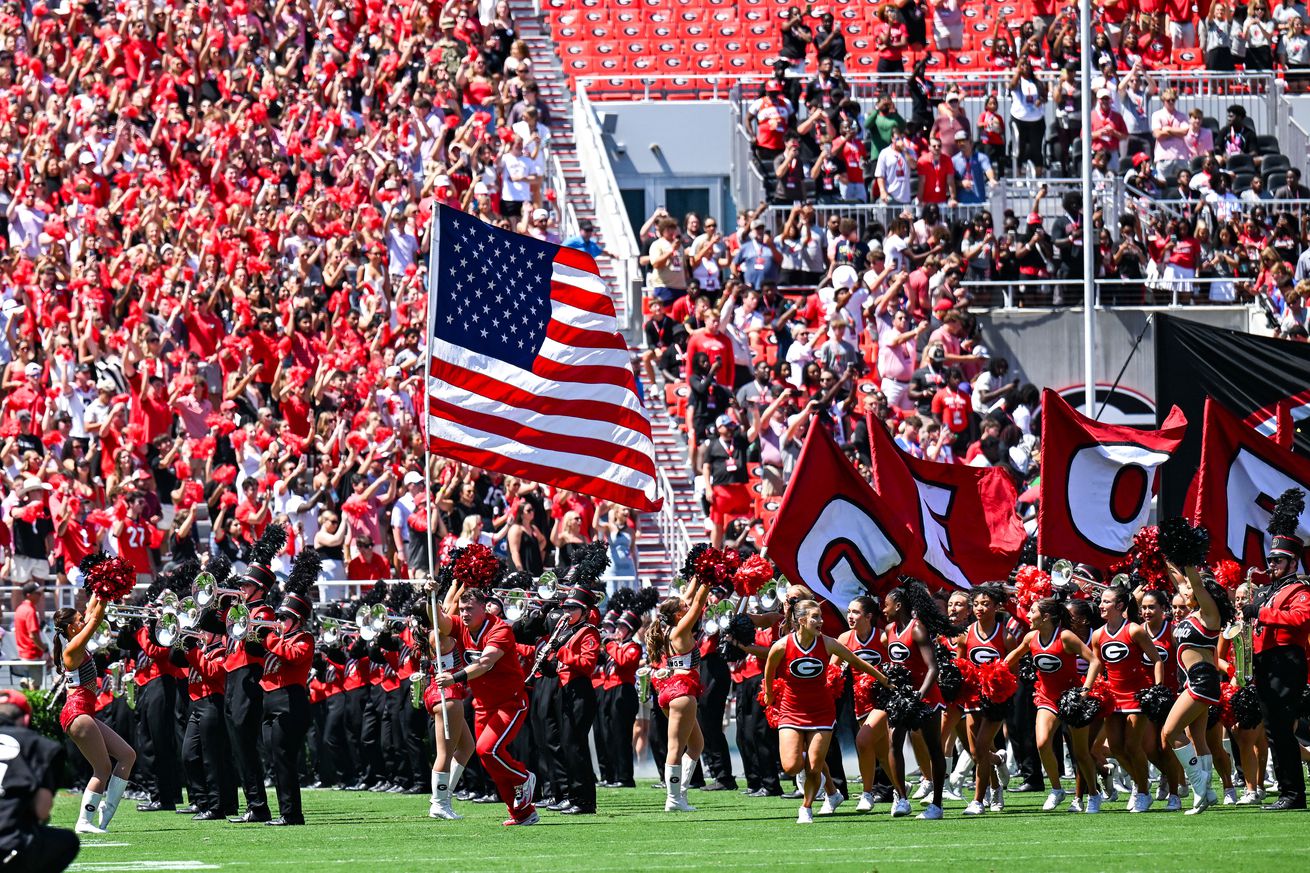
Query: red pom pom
52, 438
99, 518
192, 493
716, 567
863, 688
418, 521
355, 506
357, 441
476, 566
754, 573
220, 424
29, 512
835, 680
1032, 585
996, 682
1103, 694
772, 714
225, 474
227, 501
111, 579
1228, 574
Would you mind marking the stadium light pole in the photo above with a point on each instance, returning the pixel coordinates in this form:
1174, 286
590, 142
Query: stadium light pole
1089, 252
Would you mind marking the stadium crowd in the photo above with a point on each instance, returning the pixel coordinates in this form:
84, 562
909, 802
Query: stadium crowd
212, 283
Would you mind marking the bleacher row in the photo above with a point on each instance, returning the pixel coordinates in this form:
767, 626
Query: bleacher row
613, 37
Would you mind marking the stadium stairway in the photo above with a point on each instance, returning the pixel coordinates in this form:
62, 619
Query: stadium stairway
662, 538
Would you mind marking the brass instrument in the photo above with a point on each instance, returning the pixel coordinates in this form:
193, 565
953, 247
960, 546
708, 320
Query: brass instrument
517, 601
334, 630
556, 635
170, 631
718, 616
375, 620
643, 683
418, 683
1241, 634
118, 614
115, 672
129, 689
769, 596
547, 585
241, 626
207, 590
103, 638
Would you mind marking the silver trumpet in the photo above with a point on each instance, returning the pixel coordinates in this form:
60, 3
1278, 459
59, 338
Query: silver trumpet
517, 601
643, 682
1241, 635
207, 590
547, 585
718, 616
118, 614
169, 631
768, 596
333, 630
375, 620
103, 637
241, 626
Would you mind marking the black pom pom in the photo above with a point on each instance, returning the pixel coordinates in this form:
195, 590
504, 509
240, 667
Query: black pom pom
220, 568
91, 561
688, 571
399, 594
269, 545
1245, 707
1156, 702
1078, 709
1027, 669
741, 629
593, 560
646, 600
621, 601
1184, 544
949, 678
906, 709
1286, 516
304, 573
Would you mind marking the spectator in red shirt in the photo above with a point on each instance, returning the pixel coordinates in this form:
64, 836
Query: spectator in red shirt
1109, 129
936, 176
713, 342
367, 565
27, 632
953, 409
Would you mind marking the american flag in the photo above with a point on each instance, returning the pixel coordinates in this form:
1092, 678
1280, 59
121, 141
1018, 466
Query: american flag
529, 376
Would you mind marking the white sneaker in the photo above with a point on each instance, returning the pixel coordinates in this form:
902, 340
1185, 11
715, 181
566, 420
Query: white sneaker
866, 803
924, 789
530, 819
444, 811
995, 800
1112, 793
1260, 794
1173, 804
525, 792
974, 808
1143, 803
900, 806
1199, 804
805, 816
950, 792
1093, 804
1248, 798
1054, 799
831, 802
932, 813
85, 827
1230, 796
677, 804
1132, 802
1076, 805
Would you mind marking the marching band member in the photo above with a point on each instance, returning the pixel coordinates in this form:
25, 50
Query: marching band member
576, 654
244, 696
447, 708
914, 622
110, 756
984, 642
495, 680
620, 688
1055, 650
1113, 646
873, 739
806, 710
156, 711
673, 639
285, 683
1198, 640
205, 743
1251, 745
1282, 614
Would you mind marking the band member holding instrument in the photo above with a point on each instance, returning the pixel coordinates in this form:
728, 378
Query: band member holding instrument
620, 695
286, 687
1056, 650
1250, 744
1282, 633
156, 711
205, 748
244, 696
673, 639
807, 710
447, 708
109, 755
576, 654
1121, 647
495, 680
1198, 639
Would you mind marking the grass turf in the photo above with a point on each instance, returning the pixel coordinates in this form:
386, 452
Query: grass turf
384, 832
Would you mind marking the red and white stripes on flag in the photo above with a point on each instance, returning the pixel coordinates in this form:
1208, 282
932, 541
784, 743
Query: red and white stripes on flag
528, 373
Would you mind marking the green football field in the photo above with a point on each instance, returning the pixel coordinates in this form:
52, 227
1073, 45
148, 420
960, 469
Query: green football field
365, 832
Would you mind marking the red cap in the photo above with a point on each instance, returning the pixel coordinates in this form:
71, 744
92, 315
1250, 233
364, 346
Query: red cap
1140, 158
773, 86
16, 698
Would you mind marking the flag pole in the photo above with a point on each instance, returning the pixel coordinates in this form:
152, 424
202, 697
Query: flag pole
434, 240
1089, 252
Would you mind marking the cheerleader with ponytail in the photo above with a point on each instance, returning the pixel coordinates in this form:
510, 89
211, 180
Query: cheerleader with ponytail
1198, 639
110, 756
447, 709
795, 677
873, 739
985, 642
915, 623
1120, 648
1055, 651
673, 639
1156, 614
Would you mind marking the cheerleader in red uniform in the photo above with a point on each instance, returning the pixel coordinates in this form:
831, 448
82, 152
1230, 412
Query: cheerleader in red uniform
1117, 647
1156, 611
672, 638
453, 754
1055, 650
960, 612
806, 708
915, 621
873, 740
985, 642
109, 755
1198, 639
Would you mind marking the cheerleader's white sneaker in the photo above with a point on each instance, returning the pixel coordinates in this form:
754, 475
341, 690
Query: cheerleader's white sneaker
974, 808
1093, 804
1054, 799
900, 807
805, 816
866, 803
831, 802
932, 813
